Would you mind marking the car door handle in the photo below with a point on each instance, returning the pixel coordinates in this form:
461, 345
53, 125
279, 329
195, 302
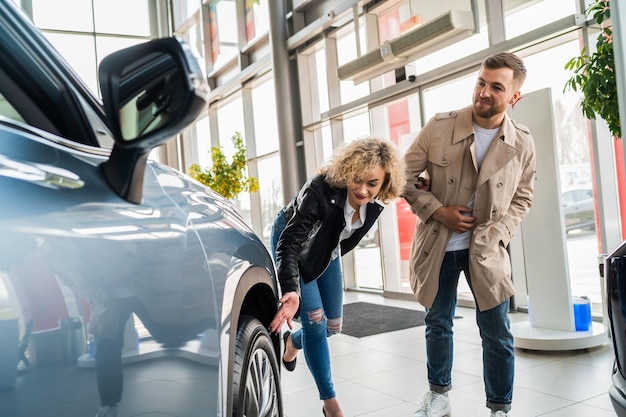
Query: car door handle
42, 174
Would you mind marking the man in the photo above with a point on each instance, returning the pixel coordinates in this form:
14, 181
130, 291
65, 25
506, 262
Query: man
481, 168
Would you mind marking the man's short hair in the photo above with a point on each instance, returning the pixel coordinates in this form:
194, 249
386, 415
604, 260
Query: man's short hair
507, 60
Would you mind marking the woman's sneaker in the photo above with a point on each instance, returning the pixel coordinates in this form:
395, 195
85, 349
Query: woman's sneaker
434, 405
499, 413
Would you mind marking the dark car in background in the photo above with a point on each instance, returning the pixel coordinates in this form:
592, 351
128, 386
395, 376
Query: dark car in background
579, 209
88, 220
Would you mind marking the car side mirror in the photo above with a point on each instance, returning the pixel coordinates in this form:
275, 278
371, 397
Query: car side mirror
150, 92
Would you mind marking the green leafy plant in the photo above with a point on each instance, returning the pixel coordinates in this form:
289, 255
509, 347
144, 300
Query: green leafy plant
226, 178
594, 74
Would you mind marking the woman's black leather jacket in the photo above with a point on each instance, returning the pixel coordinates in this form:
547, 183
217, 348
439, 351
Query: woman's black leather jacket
315, 220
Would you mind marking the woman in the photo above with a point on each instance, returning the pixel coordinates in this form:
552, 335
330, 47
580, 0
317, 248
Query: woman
328, 218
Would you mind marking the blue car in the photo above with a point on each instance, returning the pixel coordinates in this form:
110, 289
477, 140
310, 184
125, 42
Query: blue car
111, 260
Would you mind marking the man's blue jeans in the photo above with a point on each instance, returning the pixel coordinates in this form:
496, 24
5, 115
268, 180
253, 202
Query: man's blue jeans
321, 312
494, 325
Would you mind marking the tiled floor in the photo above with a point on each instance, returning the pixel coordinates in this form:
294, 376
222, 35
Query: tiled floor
385, 375
376, 376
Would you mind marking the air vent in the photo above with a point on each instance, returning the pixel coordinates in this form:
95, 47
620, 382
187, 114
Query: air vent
437, 33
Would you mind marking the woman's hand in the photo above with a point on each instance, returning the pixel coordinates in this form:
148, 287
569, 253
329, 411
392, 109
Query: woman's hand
423, 184
290, 302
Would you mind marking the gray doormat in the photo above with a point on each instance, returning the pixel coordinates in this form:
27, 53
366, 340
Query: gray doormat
366, 319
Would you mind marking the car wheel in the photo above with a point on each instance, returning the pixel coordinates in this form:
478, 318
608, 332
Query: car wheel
256, 382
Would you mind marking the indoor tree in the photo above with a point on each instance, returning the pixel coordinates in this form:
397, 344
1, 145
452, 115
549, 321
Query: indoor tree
226, 178
594, 74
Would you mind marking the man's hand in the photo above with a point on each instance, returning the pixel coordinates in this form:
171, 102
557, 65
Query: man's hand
289, 305
456, 218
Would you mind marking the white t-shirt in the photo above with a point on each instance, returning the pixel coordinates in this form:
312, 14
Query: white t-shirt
482, 142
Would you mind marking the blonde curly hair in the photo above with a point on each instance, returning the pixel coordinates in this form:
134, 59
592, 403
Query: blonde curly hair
360, 156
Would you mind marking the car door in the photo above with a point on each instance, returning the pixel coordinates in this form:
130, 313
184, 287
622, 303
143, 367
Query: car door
68, 239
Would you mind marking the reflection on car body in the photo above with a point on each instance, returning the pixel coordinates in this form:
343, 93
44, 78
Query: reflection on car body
614, 273
93, 235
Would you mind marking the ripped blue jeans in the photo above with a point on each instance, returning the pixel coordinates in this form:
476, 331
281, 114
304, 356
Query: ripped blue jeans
321, 311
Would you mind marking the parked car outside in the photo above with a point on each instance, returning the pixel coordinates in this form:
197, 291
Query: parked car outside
579, 209
87, 220
614, 273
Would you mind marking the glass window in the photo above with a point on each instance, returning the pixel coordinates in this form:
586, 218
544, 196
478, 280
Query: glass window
183, 10
270, 187
53, 14
121, 17
229, 121
356, 126
203, 142
346, 47
265, 123
346, 52
194, 37
257, 18
350, 92
322, 80
109, 16
524, 16
78, 48
437, 59
401, 120
327, 142
192, 6
106, 45
79, 52
453, 95
223, 31
367, 261
7, 110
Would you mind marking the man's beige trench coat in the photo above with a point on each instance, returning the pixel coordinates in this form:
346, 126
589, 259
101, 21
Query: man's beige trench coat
504, 191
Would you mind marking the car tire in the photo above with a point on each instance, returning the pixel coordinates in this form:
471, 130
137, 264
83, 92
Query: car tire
256, 379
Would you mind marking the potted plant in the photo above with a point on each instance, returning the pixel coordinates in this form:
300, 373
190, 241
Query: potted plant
226, 178
594, 74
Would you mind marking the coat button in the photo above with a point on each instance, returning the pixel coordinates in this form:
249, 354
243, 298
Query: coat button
451, 181
332, 200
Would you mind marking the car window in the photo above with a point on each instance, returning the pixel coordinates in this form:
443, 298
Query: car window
7, 110
568, 197
580, 195
40, 89
16, 104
